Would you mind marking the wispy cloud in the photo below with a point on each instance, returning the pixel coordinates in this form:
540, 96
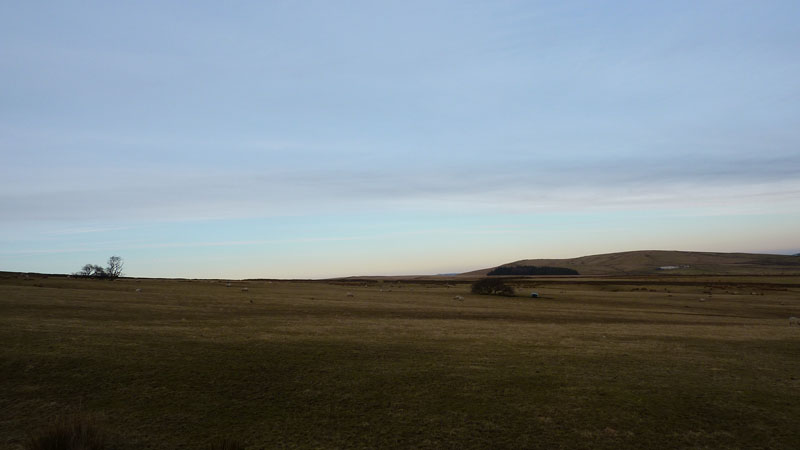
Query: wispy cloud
84, 230
93, 247
529, 186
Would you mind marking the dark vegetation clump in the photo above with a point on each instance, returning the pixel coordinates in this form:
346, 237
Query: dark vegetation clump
226, 444
82, 432
113, 270
78, 432
532, 270
492, 286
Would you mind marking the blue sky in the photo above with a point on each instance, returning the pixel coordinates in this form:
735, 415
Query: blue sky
316, 139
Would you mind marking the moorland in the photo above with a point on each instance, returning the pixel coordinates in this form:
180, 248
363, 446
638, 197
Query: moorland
613, 362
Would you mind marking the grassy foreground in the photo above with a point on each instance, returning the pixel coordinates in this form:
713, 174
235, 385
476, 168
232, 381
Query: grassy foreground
593, 365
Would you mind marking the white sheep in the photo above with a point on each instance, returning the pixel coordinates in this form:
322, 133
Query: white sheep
349, 294
245, 289
138, 290
459, 298
794, 321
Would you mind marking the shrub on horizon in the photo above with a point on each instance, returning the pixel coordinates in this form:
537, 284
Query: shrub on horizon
492, 286
114, 269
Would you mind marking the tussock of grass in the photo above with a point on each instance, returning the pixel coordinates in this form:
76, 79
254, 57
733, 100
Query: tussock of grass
76, 432
226, 444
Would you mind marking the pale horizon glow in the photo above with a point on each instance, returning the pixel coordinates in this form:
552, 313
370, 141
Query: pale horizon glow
314, 140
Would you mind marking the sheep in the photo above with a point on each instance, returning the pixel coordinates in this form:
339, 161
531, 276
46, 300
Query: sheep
794, 321
245, 289
459, 298
138, 290
349, 294
227, 285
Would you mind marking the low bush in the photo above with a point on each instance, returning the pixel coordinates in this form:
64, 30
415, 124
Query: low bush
492, 286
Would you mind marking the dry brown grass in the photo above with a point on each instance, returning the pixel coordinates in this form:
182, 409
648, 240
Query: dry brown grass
624, 363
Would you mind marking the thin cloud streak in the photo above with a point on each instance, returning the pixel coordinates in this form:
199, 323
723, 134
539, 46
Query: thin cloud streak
233, 243
624, 186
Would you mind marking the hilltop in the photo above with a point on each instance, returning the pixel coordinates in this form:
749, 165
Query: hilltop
644, 262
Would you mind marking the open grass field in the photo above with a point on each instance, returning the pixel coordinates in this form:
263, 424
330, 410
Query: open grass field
594, 364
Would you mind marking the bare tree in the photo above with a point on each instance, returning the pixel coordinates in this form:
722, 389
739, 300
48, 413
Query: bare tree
91, 270
114, 269
99, 272
86, 271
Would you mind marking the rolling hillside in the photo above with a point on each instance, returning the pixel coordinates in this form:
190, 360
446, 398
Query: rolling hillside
669, 262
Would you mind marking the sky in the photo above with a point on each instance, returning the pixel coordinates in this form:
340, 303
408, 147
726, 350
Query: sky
313, 139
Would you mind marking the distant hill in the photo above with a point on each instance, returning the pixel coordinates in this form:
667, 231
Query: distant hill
649, 262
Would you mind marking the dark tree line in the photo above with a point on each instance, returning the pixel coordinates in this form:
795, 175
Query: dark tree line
532, 270
111, 271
